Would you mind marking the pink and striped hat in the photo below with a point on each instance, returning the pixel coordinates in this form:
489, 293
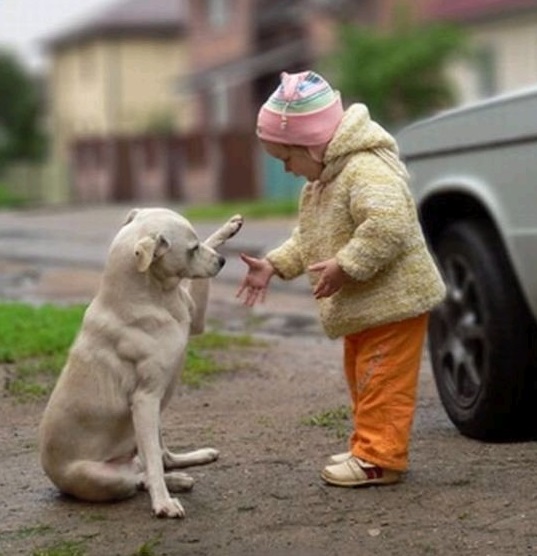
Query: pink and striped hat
304, 110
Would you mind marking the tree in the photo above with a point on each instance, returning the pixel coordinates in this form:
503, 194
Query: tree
399, 76
20, 135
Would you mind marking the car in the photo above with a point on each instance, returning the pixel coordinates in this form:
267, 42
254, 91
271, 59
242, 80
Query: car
474, 178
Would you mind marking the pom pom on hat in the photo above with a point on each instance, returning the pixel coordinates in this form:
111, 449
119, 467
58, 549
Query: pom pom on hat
304, 110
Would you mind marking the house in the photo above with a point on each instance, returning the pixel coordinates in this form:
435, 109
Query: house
502, 37
112, 78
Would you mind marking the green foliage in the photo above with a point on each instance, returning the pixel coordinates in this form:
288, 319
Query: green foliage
399, 76
20, 134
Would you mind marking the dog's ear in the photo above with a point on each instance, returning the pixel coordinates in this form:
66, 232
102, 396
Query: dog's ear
148, 249
130, 217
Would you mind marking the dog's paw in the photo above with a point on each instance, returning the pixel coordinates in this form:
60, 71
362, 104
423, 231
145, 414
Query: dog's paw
171, 507
210, 454
233, 225
178, 482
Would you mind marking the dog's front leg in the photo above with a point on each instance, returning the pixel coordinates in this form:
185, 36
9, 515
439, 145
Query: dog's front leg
146, 417
228, 230
199, 292
199, 289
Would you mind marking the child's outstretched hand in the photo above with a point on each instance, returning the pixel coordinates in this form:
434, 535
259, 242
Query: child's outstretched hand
255, 283
331, 278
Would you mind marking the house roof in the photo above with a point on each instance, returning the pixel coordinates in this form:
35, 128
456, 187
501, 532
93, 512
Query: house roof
128, 17
471, 10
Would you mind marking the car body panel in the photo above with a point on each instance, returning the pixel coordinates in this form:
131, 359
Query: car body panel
487, 152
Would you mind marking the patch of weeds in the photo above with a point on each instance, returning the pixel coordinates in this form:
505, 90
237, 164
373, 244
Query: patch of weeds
148, 548
63, 548
336, 420
92, 517
26, 532
201, 365
34, 379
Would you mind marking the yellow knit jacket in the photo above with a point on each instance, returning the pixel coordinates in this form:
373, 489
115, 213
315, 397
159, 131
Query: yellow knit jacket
365, 217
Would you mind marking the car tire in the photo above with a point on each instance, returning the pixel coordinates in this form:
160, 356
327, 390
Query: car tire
482, 338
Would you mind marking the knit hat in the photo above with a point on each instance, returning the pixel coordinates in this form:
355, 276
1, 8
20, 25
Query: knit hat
304, 110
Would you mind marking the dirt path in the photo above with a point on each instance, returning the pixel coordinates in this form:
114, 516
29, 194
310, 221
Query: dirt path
264, 495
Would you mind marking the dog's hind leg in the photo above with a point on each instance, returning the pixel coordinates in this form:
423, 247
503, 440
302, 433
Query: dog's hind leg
100, 481
202, 456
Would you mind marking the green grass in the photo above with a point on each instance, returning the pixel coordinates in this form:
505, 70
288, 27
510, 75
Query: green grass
148, 548
8, 199
252, 209
29, 331
336, 420
200, 365
26, 532
36, 341
63, 548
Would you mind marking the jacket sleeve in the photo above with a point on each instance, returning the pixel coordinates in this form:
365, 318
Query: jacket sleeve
386, 219
287, 259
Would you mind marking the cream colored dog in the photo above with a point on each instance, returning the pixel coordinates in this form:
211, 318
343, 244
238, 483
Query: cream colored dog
100, 434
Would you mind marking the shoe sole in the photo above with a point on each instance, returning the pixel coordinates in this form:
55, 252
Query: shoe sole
357, 483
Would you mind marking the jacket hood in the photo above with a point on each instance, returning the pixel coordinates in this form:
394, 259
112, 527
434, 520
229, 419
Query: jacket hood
357, 132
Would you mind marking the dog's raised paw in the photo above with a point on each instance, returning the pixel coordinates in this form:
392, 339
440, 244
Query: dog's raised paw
234, 224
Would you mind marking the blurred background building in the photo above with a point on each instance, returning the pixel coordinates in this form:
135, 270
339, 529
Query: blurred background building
155, 100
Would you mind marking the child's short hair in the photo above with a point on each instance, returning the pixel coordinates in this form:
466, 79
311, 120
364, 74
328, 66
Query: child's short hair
304, 110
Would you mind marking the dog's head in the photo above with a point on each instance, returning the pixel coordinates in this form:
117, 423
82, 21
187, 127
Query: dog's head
166, 245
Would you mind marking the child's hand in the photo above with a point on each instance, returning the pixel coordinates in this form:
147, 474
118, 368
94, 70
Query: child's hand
256, 281
331, 279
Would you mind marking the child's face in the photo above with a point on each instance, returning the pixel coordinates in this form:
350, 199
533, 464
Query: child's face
297, 160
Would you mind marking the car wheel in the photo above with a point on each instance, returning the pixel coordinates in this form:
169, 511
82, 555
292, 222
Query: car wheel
482, 338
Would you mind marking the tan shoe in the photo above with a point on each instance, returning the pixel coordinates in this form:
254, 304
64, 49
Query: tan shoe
339, 458
354, 472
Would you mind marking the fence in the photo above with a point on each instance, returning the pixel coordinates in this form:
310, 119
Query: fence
154, 168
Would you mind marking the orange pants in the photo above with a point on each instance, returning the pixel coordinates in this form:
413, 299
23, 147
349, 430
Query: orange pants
382, 366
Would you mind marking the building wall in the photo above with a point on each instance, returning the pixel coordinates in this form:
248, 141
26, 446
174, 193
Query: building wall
119, 86
216, 42
503, 58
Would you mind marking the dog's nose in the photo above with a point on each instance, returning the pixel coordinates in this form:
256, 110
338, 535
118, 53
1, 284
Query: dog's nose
221, 260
